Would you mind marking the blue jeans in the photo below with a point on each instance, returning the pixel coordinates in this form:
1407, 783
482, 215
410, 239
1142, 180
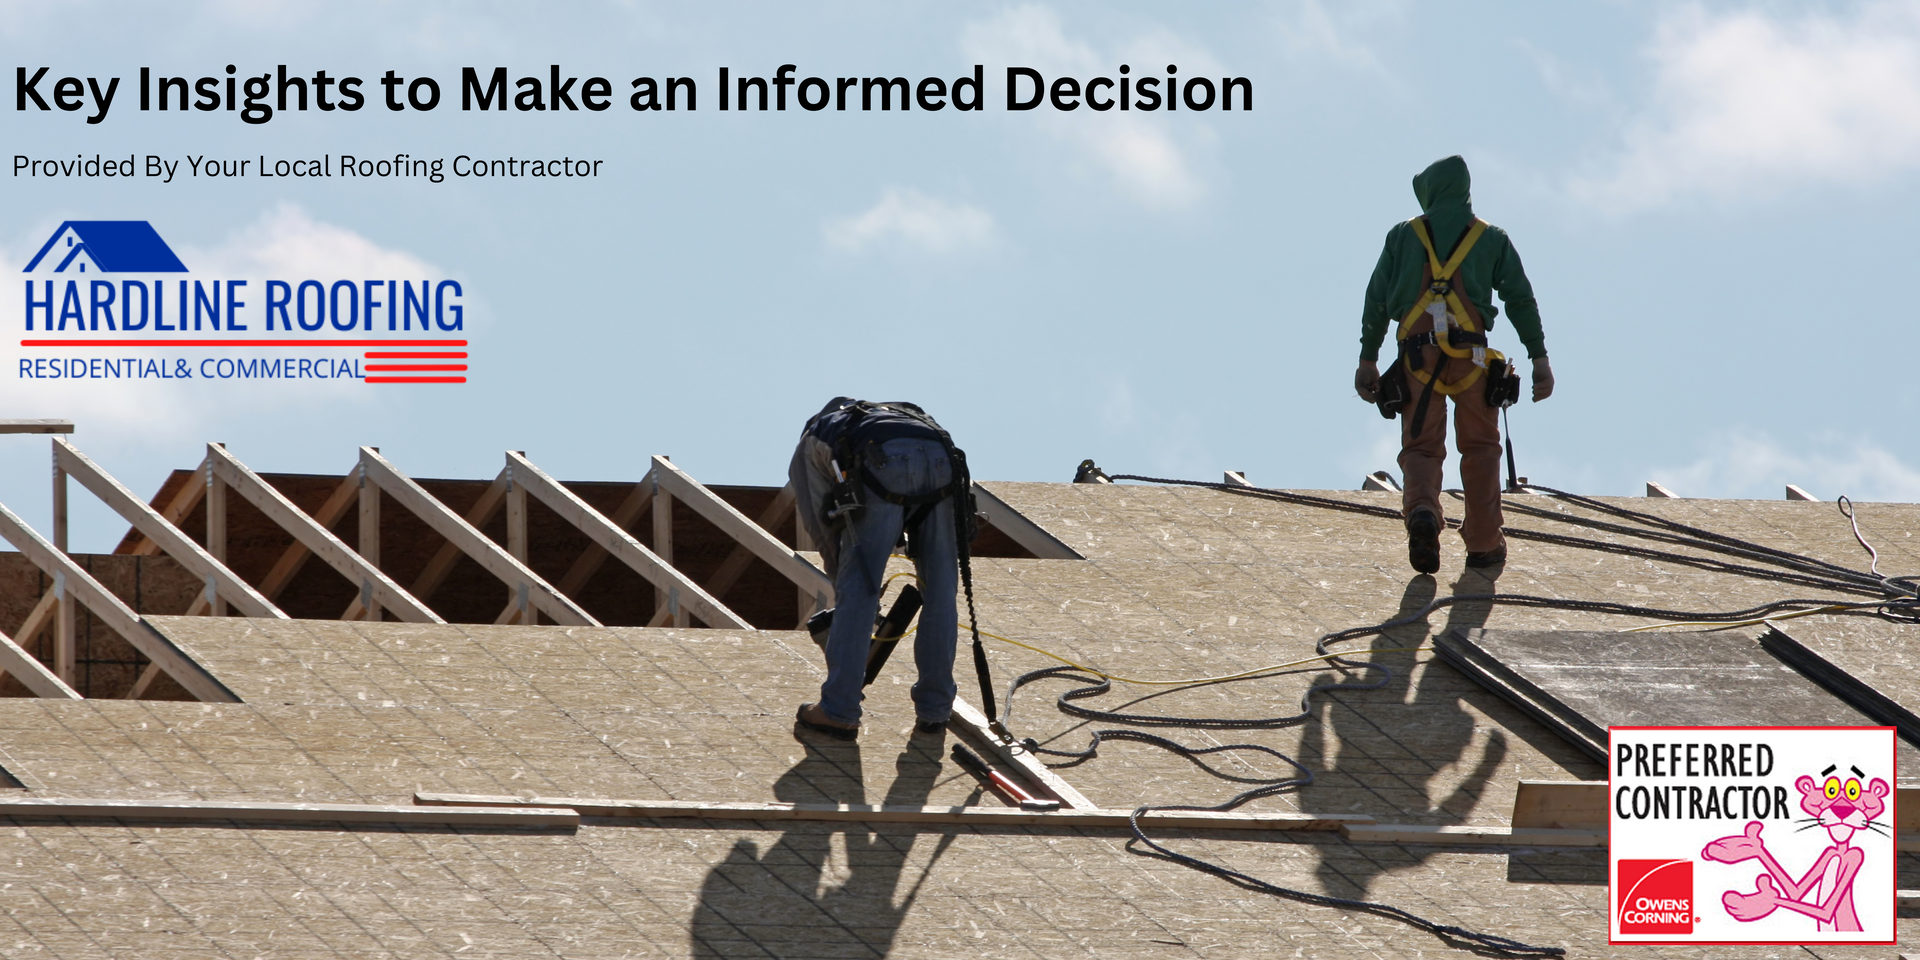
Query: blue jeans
909, 468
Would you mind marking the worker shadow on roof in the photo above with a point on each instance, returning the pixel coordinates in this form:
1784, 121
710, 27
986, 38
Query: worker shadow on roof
806, 895
1408, 751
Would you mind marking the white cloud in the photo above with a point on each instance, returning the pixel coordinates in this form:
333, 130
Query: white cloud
1314, 29
1756, 466
1750, 100
1137, 152
284, 243
911, 218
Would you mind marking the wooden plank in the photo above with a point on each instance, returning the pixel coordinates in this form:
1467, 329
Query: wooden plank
735, 524
317, 539
1019, 529
176, 544
970, 721
314, 813
145, 681
188, 672
59, 504
516, 515
436, 571
939, 816
517, 546
36, 426
369, 539
666, 601
475, 544
441, 564
1472, 836
290, 563
38, 618
740, 558
217, 531
609, 536
1560, 803
31, 673
639, 500
65, 625
176, 510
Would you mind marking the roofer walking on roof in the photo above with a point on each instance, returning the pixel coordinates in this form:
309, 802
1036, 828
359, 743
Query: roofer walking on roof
1435, 279
863, 474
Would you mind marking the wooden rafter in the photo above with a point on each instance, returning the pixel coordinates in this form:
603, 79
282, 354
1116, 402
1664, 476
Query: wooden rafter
617, 543
73, 581
178, 545
733, 523
31, 673
530, 589
316, 538
294, 559
176, 510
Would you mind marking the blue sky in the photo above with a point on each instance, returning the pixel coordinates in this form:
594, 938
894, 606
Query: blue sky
1715, 203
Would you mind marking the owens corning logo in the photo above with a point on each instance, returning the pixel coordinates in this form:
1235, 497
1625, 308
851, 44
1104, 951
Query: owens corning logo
1656, 896
148, 313
110, 246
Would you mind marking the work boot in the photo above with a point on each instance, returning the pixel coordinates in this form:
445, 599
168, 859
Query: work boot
1488, 558
811, 717
1423, 541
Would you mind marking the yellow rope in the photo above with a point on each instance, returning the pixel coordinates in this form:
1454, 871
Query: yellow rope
1722, 624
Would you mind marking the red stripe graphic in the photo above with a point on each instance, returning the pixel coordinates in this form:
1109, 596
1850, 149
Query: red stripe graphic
450, 367
416, 379
243, 343
390, 355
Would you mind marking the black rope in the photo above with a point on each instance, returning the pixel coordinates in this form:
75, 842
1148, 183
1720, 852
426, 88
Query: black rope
962, 501
1898, 599
1800, 571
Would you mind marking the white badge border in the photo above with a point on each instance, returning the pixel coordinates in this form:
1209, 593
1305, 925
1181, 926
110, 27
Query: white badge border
1893, 822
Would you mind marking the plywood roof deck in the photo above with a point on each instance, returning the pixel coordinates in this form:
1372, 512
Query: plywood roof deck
1177, 583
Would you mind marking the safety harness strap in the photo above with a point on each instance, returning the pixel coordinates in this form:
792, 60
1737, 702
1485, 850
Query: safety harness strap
1440, 271
1468, 340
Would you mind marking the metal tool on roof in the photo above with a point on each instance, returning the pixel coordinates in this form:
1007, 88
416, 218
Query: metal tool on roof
1001, 782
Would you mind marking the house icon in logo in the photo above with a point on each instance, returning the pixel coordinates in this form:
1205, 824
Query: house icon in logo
109, 246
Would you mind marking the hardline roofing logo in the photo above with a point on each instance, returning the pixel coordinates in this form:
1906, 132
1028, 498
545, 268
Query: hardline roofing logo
138, 315
110, 246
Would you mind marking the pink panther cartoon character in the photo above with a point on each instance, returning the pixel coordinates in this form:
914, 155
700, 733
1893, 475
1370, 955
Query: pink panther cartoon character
1825, 891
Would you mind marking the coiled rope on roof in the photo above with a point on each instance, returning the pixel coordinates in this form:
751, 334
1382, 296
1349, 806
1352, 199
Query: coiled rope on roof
1895, 598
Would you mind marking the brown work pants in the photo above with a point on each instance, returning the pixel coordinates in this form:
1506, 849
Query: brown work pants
1476, 428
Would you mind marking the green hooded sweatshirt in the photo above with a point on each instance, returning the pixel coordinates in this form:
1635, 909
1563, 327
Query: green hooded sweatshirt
1492, 264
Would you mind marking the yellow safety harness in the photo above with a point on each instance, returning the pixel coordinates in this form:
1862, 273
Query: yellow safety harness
1442, 300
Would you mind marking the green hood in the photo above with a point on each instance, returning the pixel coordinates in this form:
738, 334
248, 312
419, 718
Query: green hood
1443, 190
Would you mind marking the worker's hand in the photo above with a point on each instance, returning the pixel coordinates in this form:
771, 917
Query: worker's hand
1542, 379
1366, 381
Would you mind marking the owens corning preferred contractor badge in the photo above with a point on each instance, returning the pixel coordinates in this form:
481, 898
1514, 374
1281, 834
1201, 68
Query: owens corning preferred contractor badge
1777, 835
107, 302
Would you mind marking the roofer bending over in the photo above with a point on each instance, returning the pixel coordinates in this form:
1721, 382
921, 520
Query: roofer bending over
865, 473
1436, 278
